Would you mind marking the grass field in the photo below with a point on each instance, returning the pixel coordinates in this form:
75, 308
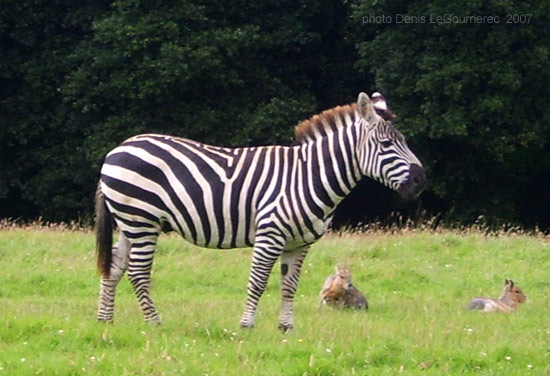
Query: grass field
418, 284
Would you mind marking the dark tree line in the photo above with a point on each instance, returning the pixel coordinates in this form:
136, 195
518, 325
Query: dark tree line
77, 78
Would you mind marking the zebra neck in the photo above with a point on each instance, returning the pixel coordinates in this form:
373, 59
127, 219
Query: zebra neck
329, 169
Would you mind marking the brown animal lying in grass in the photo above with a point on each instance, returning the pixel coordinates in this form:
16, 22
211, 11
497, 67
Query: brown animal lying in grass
508, 301
338, 292
334, 288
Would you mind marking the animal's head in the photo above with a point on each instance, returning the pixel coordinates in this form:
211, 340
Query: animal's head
383, 152
343, 278
512, 291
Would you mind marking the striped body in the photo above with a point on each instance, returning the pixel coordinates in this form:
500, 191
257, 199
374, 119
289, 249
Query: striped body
278, 199
174, 181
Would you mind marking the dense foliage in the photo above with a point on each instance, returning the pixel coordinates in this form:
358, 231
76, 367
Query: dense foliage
78, 78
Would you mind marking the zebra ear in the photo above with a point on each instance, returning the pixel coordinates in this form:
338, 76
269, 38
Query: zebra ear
381, 106
379, 102
366, 108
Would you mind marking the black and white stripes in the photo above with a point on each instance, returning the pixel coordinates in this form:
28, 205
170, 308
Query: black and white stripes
277, 199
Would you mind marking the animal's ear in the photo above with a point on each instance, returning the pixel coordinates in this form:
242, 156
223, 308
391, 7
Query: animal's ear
366, 107
381, 106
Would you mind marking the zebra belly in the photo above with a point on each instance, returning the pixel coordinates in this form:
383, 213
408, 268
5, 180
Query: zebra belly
303, 240
307, 237
129, 223
216, 242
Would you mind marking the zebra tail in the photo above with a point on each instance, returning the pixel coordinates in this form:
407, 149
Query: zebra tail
104, 234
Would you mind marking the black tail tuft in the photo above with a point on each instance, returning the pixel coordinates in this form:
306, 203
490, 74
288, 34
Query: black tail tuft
104, 234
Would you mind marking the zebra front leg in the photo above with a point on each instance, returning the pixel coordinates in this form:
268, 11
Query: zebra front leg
139, 274
291, 265
108, 285
263, 260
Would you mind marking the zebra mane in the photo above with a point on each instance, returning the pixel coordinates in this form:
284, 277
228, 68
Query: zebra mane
323, 123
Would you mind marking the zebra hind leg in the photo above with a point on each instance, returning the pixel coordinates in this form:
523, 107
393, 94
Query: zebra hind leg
139, 274
108, 285
263, 260
291, 265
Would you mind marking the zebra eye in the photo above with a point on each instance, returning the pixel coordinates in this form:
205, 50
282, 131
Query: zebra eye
385, 143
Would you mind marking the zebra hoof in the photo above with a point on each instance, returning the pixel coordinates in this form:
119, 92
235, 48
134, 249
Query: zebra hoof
106, 321
286, 328
246, 326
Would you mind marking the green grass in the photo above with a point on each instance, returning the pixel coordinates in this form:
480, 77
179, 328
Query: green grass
417, 283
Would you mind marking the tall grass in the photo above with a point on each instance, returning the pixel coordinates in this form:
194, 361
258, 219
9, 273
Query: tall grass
418, 284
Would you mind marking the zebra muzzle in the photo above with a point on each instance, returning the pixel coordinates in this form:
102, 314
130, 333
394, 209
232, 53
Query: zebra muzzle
415, 183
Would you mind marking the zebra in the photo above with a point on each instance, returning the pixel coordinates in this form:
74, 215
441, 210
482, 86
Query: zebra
277, 199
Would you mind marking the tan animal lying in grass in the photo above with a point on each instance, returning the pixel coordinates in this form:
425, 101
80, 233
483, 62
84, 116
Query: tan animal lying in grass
508, 301
334, 288
338, 292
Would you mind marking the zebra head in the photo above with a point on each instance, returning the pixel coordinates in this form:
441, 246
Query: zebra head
383, 153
